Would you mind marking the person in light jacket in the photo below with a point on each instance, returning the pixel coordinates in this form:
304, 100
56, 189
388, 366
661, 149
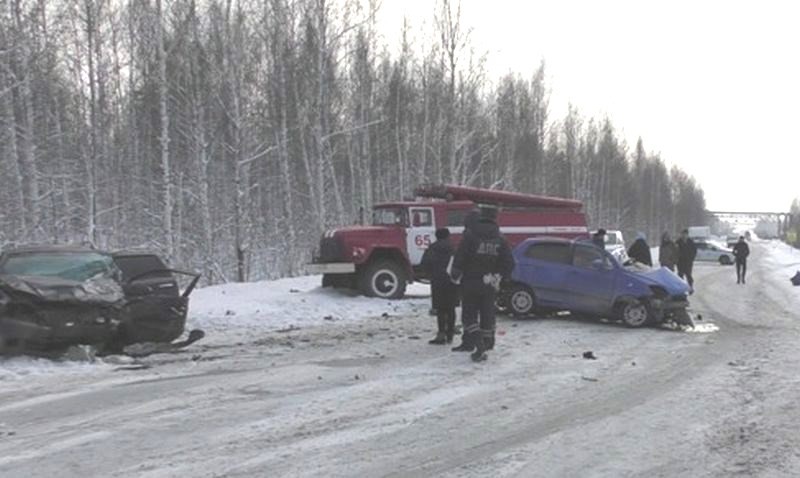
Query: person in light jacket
668, 252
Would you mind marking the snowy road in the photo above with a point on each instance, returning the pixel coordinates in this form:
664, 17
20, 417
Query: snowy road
371, 398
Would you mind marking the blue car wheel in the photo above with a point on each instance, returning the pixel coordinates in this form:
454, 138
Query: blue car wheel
521, 301
635, 314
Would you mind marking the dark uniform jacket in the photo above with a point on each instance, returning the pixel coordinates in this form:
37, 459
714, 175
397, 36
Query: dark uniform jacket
482, 251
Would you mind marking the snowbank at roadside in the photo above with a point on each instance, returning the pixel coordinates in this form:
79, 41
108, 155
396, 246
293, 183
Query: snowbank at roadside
783, 262
291, 303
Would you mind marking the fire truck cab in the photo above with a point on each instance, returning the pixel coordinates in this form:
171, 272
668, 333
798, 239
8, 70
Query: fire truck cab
382, 258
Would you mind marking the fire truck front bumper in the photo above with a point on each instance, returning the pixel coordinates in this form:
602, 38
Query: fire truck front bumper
331, 268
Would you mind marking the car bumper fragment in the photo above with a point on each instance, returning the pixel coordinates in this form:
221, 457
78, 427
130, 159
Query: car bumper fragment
67, 333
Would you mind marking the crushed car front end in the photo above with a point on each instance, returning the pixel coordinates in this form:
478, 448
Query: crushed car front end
46, 313
56, 296
665, 293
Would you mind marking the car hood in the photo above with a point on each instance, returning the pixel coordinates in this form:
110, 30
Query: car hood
97, 290
661, 277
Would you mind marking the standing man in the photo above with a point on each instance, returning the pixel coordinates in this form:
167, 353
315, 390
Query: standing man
599, 238
483, 259
740, 251
667, 252
444, 293
687, 251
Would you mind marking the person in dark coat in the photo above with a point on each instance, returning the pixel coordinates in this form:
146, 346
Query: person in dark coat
667, 252
687, 251
599, 238
740, 251
640, 250
444, 293
483, 259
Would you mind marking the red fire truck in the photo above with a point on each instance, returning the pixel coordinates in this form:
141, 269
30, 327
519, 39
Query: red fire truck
382, 258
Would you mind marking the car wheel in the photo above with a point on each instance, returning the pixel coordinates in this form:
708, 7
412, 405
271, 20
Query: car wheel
635, 313
385, 279
725, 260
521, 301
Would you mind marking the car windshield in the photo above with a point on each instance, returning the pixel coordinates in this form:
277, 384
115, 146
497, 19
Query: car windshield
78, 266
389, 216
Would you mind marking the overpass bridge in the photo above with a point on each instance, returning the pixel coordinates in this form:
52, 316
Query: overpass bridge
783, 219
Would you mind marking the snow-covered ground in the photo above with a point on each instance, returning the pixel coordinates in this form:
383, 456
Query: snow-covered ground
294, 380
290, 303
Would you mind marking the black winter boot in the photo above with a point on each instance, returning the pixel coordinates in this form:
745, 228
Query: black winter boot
479, 356
488, 343
438, 340
464, 347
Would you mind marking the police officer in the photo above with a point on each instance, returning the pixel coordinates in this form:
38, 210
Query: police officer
740, 251
482, 260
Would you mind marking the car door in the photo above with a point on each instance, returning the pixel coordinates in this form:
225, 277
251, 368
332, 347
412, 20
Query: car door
704, 252
420, 234
590, 280
544, 266
156, 309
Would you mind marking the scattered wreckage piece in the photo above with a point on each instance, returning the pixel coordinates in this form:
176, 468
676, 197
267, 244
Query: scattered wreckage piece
54, 297
143, 349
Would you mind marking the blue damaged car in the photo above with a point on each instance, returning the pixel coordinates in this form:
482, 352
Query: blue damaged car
571, 275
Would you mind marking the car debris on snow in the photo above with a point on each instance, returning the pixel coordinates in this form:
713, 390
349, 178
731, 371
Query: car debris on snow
144, 349
290, 328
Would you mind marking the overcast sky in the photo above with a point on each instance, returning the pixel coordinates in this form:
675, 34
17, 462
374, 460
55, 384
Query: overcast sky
714, 86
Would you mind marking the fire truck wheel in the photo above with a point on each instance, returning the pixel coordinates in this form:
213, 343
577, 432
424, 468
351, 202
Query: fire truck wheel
383, 278
521, 301
327, 280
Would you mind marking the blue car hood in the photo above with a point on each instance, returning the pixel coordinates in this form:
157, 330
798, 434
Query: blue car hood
661, 277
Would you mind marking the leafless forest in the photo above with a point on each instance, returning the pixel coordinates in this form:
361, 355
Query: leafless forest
228, 134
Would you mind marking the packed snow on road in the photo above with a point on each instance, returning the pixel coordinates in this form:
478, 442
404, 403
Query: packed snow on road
296, 380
